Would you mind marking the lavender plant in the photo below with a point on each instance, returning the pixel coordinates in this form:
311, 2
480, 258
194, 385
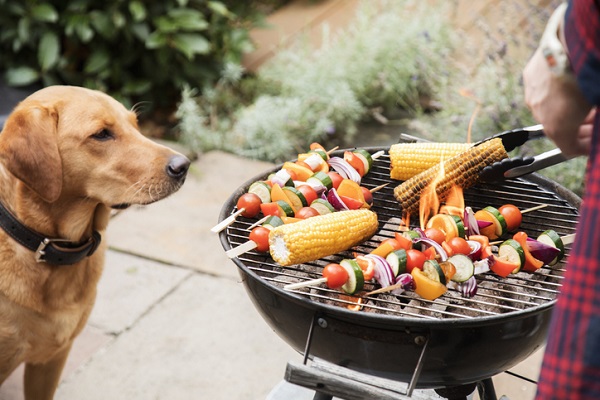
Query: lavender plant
393, 54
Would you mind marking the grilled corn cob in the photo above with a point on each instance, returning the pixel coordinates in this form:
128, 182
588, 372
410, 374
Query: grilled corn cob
321, 236
462, 170
410, 159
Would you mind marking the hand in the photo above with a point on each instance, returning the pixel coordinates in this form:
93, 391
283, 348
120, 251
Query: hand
558, 104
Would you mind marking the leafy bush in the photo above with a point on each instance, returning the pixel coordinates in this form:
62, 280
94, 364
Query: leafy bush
132, 49
383, 61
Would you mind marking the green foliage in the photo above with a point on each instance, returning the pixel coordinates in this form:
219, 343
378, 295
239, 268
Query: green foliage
384, 60
132, 49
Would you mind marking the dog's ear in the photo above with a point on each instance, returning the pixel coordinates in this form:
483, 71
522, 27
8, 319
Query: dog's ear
29, 149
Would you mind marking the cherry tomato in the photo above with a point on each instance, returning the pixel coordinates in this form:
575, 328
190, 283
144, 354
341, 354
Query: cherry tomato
336, 275
336, 178
250, 202
309, 193
260, 236
512, 215
459, 246
368, 195
306, 212
435, 234
414, 259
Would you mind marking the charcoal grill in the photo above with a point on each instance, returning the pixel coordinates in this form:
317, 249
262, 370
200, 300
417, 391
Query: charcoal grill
449, 342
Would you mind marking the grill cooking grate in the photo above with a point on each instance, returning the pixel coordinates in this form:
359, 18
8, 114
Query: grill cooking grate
495, 295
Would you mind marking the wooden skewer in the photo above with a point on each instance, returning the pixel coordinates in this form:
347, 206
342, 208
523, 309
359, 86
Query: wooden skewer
299, 285
241, 249
385, 289
332, 150
259, 222
568, 239
227, 221
377, 154
534, 208
378, 188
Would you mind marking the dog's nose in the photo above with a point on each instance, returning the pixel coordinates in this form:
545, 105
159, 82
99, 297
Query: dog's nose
178, 166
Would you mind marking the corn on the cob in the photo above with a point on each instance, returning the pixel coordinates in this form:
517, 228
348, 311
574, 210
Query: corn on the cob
462, 170
410, 159
321, 236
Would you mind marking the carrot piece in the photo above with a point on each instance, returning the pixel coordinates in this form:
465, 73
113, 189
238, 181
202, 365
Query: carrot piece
302, 173
482, 239
349, 188
532, 264
425, 287
384, 249
502, 267
270, 208
355, 162
277, 193
404, 242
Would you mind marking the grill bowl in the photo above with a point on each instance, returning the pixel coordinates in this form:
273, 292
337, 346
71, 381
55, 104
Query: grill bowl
388, 336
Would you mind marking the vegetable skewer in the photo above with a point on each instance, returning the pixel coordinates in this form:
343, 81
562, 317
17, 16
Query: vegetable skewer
334, 275
263, 188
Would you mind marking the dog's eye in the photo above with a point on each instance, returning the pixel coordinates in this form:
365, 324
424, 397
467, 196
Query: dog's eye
102, 135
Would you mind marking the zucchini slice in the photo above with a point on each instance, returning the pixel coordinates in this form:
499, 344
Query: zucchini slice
356, 279
397, 260
262, 190
551, 238
512, 251
433, 271
321, 178
464, 267
322, 206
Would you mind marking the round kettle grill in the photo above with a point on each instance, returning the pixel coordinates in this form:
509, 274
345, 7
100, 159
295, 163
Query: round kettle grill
449, 342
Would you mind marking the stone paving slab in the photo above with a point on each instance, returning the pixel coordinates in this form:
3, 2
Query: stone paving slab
203, 341
130, 286
177, 229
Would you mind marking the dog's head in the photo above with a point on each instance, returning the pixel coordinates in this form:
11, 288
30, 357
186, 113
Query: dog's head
71, 142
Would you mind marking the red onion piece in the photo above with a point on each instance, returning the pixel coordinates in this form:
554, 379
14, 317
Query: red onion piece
468, 288
430, 242
335, 200
420, 231
281, 177
383, 273
483, 224
542, 251
482, 266
407, 281
471, 222
475, 250
344, 169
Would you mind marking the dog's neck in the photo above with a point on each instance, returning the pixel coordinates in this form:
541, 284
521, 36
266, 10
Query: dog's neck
72, 220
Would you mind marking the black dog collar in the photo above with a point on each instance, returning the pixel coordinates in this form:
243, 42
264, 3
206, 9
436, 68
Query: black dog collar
48, 250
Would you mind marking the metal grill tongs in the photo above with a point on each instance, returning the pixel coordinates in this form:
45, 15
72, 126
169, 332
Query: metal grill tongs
518, 166
514, 167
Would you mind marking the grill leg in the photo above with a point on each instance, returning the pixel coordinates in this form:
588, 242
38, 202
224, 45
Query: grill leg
322, 396
486, 389
456, 392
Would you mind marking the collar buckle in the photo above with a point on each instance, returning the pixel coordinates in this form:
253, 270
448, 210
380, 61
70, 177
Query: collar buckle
41, 250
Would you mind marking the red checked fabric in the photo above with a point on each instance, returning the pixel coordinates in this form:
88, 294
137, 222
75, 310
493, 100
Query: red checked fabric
571, 366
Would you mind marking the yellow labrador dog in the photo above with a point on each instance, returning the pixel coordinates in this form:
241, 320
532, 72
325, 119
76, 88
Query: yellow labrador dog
68, 156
